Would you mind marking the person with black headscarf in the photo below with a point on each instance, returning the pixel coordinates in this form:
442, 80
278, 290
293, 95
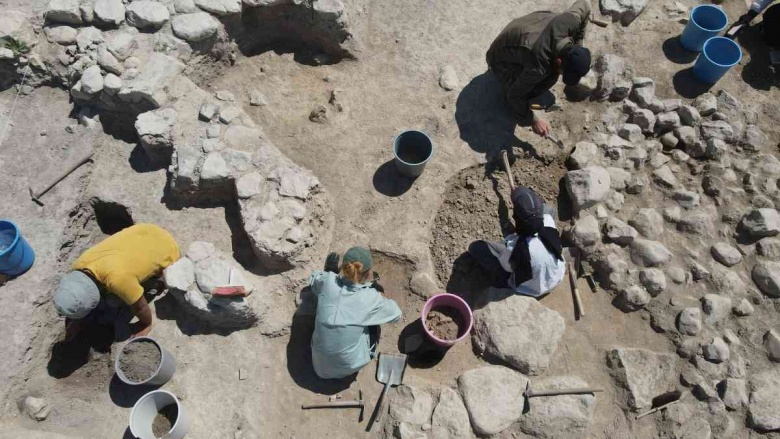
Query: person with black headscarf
528, 261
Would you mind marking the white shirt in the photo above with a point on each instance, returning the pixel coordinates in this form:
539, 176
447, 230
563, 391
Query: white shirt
546, 269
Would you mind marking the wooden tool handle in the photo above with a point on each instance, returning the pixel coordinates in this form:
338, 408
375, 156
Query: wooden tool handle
334, 404
67, 172
505, 159
574, 290
582, 391
598, 22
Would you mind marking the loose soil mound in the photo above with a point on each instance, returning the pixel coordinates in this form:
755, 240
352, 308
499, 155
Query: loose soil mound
165, 419
445, 323
476, 206
140, 360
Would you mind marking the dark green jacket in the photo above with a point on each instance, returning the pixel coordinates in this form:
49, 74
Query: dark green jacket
522, 55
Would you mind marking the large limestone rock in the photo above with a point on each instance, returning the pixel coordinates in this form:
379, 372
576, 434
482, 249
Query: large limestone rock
220, 7
766, 275
109, 13
145, 14
195, 27
518, 330
764, 406
148, 89
643, 374
647, 253
493, 397
192, 284
16, 25
559, 417
64, 11
761, 223
450, 418
411, 405
648, 222
154, 131
587, 186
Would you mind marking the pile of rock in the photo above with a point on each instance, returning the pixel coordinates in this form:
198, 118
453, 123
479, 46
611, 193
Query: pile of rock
193, 278
676, 214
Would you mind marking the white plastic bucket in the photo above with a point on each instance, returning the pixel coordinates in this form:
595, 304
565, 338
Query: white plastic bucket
146, 409
164, 371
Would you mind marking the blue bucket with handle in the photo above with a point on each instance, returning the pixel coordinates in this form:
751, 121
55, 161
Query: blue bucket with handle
412, 151
16, 255
719, 55
706, 21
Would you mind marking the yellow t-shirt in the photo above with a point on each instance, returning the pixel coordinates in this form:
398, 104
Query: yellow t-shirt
124, 260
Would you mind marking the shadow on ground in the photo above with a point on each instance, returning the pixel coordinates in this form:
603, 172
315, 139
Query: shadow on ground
676, 53
389, 182
484, 120
758, 72
299, 362
69, 356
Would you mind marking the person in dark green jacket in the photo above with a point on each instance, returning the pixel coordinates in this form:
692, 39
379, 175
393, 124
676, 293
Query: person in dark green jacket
533, 50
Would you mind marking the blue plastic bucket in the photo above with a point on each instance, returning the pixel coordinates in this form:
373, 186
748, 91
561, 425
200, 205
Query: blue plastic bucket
719, 55
706, 21
412, 151
16, 255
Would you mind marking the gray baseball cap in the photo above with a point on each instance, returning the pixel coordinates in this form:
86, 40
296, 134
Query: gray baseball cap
76, 296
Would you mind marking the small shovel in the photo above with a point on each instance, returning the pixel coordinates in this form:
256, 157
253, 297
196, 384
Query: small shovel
390, 372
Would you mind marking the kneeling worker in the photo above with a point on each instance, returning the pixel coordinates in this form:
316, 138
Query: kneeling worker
350, 309
528, 261
532, 51
770, 26
114, 269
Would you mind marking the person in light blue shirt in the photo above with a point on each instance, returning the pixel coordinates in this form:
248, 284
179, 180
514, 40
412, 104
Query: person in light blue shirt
349, 310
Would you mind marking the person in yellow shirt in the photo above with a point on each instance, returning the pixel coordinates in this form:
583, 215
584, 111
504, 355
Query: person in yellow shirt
114, 269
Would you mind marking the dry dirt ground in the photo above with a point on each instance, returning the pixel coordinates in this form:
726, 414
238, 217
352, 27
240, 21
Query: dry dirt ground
391, 87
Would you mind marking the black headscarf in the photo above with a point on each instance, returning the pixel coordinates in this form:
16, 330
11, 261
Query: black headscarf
528, 213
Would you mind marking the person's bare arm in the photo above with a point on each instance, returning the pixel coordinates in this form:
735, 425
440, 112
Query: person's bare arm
141, 310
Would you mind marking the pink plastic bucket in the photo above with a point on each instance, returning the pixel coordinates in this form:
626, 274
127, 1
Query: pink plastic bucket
452, 301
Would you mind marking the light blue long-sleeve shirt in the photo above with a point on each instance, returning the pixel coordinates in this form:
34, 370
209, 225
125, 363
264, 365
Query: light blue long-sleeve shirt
340, 344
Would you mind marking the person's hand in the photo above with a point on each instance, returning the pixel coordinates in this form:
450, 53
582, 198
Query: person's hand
140, 330
541, 127
332, 262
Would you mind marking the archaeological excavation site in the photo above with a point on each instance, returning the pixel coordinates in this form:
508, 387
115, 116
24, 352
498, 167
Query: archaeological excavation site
410, 219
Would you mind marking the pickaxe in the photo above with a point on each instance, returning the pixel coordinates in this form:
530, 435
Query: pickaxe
530, 393
37, 195
341, 405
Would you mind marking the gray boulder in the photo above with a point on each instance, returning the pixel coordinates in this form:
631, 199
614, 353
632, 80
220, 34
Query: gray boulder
64, 11
648, 222
643, 92
61, 34
664, 177
493, 397
769, 248
412, 405
717, 351
643, 374
716, 307
733, 393
109, 13
560, 417
194, 27
150, 87
772, 345
583, 155
689, 115
145, 14
761, 223
647, 253
717, 129
726, 254
689, 321
221, 8
587, 186
450, 418
633, 298
92, 80
586, 232
654, 280
619, 232
766, 275
518, 330
706, 104
154, 131
764, 405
